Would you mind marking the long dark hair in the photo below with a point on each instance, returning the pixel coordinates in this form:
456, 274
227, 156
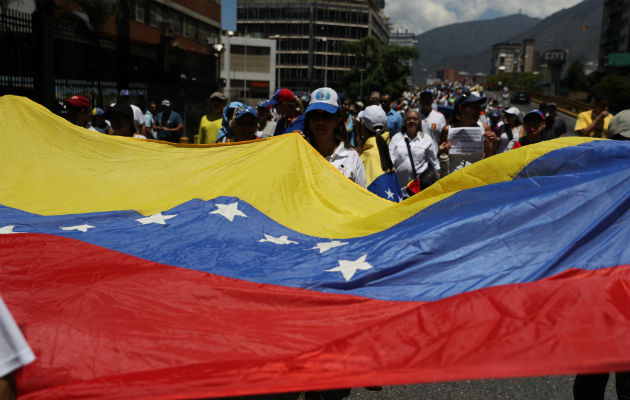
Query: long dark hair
340, 134
383, 149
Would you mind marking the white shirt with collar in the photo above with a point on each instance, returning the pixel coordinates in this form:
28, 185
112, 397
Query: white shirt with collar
421, 151
348, 162
432, 124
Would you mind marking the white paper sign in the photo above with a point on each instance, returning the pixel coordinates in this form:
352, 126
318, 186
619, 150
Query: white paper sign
466, 141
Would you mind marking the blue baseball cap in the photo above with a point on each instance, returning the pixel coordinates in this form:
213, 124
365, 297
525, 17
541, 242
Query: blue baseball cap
325, 99
124, 93
467, 99
535, 114
244, 110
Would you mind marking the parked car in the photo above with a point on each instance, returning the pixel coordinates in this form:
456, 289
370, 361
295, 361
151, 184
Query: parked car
520, 96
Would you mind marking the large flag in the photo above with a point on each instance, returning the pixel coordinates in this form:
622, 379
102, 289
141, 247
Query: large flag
141, 269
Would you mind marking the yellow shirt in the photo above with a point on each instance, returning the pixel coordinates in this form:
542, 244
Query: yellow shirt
209, 128
585, 118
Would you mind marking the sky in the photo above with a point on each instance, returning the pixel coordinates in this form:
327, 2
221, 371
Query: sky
418, 16
228, 15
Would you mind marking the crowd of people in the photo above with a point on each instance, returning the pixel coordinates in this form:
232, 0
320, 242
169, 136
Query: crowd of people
394, 148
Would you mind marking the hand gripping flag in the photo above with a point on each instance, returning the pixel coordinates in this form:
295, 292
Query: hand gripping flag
141, 269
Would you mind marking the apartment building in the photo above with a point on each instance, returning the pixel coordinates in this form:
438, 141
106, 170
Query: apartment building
309, 36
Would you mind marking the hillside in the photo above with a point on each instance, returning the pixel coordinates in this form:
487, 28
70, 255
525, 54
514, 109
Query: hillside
576, 29
459, 45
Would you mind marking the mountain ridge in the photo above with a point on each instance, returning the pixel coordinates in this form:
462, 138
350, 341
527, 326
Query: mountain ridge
467, 46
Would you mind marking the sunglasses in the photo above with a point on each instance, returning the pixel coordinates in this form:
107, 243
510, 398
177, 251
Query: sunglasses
320, 116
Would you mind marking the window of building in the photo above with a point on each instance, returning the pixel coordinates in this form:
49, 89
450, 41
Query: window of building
139, 11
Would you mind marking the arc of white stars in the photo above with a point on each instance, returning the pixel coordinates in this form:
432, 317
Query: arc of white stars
156, 219
82, 228
284, 239
229, 211
325, 246
348, 267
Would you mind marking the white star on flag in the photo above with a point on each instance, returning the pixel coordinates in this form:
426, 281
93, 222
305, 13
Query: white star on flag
348, 267
277, 240
82, 228
156, 219
389, 193
325, 246
5, 230
400, 199
229, 211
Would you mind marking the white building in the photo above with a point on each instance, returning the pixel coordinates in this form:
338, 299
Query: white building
248, 66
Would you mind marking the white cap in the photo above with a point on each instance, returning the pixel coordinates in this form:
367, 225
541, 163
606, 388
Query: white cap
324, 99
512, 111
374, 118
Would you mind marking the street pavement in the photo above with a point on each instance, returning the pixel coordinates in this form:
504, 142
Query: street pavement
543, 388
524, 108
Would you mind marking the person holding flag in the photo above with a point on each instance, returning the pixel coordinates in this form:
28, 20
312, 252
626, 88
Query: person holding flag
324, 130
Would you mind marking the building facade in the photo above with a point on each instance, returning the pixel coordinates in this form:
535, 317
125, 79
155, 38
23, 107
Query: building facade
309, 36
248, 67
168, 51
512, 57
614, 44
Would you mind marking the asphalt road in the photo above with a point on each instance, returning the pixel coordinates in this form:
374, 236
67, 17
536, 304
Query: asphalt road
524, 108
540, 388
543, 388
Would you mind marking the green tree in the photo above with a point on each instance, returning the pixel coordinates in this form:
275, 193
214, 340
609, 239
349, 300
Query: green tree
575, 79
377, 67
616, 88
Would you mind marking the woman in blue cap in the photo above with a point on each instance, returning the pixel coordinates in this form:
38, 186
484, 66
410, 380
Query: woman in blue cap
324, 130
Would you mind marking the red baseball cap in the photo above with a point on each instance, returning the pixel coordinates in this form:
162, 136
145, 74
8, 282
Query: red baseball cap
280, 96
78, 101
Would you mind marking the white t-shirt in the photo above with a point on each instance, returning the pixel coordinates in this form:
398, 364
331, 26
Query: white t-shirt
348, 162
421, 151
432, 125
138, 118
14, 351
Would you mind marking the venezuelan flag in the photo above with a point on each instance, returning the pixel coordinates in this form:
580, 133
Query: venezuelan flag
140, 269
